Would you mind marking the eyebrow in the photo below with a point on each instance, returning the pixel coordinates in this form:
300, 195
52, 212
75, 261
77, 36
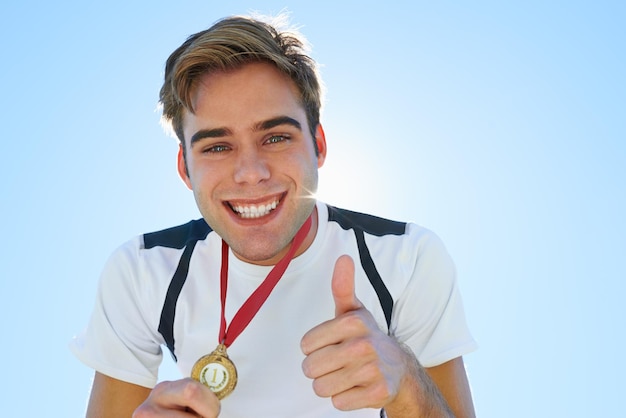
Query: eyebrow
277, 121
208, 133
261, 126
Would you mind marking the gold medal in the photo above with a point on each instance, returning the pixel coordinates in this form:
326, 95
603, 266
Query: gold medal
217, 372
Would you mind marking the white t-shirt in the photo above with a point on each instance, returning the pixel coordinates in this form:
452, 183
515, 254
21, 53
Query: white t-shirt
125, 335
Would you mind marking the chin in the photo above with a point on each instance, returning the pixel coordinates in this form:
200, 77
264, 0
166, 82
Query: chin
263, 259
258, 253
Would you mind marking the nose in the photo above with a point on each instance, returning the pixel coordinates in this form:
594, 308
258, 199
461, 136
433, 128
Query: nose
250, 167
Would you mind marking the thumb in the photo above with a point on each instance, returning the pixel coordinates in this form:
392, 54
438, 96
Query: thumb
343, 286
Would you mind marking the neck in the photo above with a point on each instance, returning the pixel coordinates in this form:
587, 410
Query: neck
310, 237
306, 243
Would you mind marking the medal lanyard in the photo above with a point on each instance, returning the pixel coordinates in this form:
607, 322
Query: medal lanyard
251, 306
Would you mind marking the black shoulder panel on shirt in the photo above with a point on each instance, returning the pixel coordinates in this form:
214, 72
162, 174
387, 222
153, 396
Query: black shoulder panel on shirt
361, 224
178, 236
369, 224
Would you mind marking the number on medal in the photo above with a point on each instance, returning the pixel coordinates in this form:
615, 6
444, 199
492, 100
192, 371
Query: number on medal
215, 376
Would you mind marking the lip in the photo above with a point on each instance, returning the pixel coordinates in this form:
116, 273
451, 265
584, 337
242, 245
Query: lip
255, 210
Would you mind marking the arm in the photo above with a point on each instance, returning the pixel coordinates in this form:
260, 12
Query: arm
440, 391
451, 380
114, 398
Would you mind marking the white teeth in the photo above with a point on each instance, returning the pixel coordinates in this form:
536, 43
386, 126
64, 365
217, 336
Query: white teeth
254, 211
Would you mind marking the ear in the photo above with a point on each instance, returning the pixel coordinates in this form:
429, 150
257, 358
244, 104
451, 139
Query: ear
320, 140
182, 167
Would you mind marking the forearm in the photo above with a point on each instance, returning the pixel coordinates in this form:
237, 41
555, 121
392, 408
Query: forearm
418, 396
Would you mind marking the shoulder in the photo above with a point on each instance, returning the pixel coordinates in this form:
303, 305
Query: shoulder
400, 250
178, 236
370, 224
165, 241
152, 257
418, 237
397, 248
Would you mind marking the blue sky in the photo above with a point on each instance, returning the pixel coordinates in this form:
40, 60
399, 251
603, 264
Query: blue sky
499, 125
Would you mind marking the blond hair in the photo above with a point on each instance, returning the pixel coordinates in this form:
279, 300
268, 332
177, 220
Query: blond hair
229, 44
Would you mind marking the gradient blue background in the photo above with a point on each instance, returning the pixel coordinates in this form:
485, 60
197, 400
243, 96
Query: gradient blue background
500, 125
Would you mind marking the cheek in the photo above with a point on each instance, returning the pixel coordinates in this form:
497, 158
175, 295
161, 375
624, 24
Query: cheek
308, 174
199, 183
297, 167
207, 205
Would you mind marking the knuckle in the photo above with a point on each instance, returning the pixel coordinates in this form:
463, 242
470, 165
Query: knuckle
307, 369
361, 348
380, 394
160, 389
321, 389
340, 403
370, 372
144, 411
304, 345
352, 321
190, 390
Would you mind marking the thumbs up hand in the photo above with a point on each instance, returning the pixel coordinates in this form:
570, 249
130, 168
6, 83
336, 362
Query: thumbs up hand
348, 357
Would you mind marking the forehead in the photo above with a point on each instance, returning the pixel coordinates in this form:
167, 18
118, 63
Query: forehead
254, 86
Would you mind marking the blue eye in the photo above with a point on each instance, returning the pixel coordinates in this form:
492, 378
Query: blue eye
274, 139
216, 149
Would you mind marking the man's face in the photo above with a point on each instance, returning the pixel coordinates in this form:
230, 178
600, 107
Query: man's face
250, 160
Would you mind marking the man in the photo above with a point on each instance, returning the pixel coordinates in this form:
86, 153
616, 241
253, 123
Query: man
315, 311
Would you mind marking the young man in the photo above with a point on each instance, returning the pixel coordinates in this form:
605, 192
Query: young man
315, 311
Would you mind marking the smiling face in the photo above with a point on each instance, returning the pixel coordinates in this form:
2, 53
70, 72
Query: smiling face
250, 160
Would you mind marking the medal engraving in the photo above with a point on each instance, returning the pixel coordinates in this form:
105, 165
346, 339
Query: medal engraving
217, 372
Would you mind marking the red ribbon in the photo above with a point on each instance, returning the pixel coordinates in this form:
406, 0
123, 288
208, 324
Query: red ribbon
251, 306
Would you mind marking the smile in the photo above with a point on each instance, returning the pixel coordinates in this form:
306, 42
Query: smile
248, 211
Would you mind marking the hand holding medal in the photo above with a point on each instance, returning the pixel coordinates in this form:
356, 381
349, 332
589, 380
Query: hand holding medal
216, 370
